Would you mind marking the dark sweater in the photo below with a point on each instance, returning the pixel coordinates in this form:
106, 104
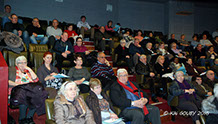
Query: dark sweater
77, 74
198, 53
162, 69
99, 35
60, 47
122, 53
143, 69
101, 70
9, 26
32, 29
43, 72
134, 49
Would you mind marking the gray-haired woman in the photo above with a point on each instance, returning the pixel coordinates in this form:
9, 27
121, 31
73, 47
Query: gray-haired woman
70, 108
210, 106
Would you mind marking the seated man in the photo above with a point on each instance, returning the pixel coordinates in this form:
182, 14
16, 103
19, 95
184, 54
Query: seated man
172, 40
143, 68
210, 79
102, 37
215, 68
53, 32
64, 50
202, 89
85, 27
132, 101
205, 42
103, 71
36, 32
136, 50
192, 70
6, 16
17, 29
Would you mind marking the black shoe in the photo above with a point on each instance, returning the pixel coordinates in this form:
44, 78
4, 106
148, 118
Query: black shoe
154, 99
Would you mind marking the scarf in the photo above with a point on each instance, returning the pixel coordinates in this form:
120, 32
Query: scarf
135, 93
184, 86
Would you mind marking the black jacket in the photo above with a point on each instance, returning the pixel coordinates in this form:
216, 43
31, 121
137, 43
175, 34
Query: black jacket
121, 53
32, 29
99, 35
60, 47
9, 26
119, 98
143, 69
200, 91
162, 69
93, 104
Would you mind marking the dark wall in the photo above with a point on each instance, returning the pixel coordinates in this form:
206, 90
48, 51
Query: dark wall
1, 5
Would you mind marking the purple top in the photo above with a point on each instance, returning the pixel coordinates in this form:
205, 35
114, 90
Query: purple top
79, 49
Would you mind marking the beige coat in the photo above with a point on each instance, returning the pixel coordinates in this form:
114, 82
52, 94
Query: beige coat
64, 112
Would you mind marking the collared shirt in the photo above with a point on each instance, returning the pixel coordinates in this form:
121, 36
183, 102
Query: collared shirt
83, 24
51, 31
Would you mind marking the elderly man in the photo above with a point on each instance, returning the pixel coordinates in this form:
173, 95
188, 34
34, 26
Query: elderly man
132, 101
103, 71
53, 32
85, 27
64, 50
17, 28
102, 37
36, 32
210, 79
136, 50
144, 68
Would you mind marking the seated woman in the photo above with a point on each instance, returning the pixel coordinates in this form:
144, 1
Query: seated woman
22, 74
70, 108
178, 53
123, 56
192, 70
79, 48
129, 39
162, 69
109, 29
186, 95
195, 41
139, 35
150, 53
211, 54
184, 44
80, 74
100, 104
72, 35
46, 73
162, 51
210, 106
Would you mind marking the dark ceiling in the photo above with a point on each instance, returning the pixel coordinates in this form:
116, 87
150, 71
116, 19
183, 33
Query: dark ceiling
196, 1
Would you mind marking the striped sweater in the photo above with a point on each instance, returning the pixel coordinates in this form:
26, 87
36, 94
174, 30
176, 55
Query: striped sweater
99, 69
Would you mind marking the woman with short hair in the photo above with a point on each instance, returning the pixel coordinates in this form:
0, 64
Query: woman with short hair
69, 107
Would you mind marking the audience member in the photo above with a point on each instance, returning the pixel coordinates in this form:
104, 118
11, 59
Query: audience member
210, 107
46, 73
22, 74
162, 51
153, 40
36, 32
144, 68
64, 50
71, 33
102, 37
6, 16
172, 40
84, 27
129, 39
202, 89
209, 79
205, 42
211, 54
100, 104
150, 53
187, 99
139, 35
192, 70
17, 28
184, 43
201, 56
53, 32
215, 33
195, 41
69, 107
132, 101
123, 56
215, 67
109, 29
103, 71
80, 74
177, 53
136, 51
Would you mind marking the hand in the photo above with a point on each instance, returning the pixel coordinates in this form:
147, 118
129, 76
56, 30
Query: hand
67, 52
128, 56
110, 38
139, 45
138, 54
152, 74
9, 17
209, 93
35, 35
86, 28
144, 100
19, 33
28, 68
114, 116
53, 74
180, 55
107, 63
52, 77
57, 37
38, 25
87, 52
103, 38
139, 103
202, 57
78, 82
64, 54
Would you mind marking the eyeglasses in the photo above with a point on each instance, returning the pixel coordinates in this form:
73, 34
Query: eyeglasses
102, 57
125, 75
22, 63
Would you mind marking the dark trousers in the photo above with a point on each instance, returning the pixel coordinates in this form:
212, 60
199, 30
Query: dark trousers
23, 109
51, 42
60, 59
190, 105
107, 82
151, 82
136, 116
103, 42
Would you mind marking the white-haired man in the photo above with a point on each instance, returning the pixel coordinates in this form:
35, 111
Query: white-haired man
132, 101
